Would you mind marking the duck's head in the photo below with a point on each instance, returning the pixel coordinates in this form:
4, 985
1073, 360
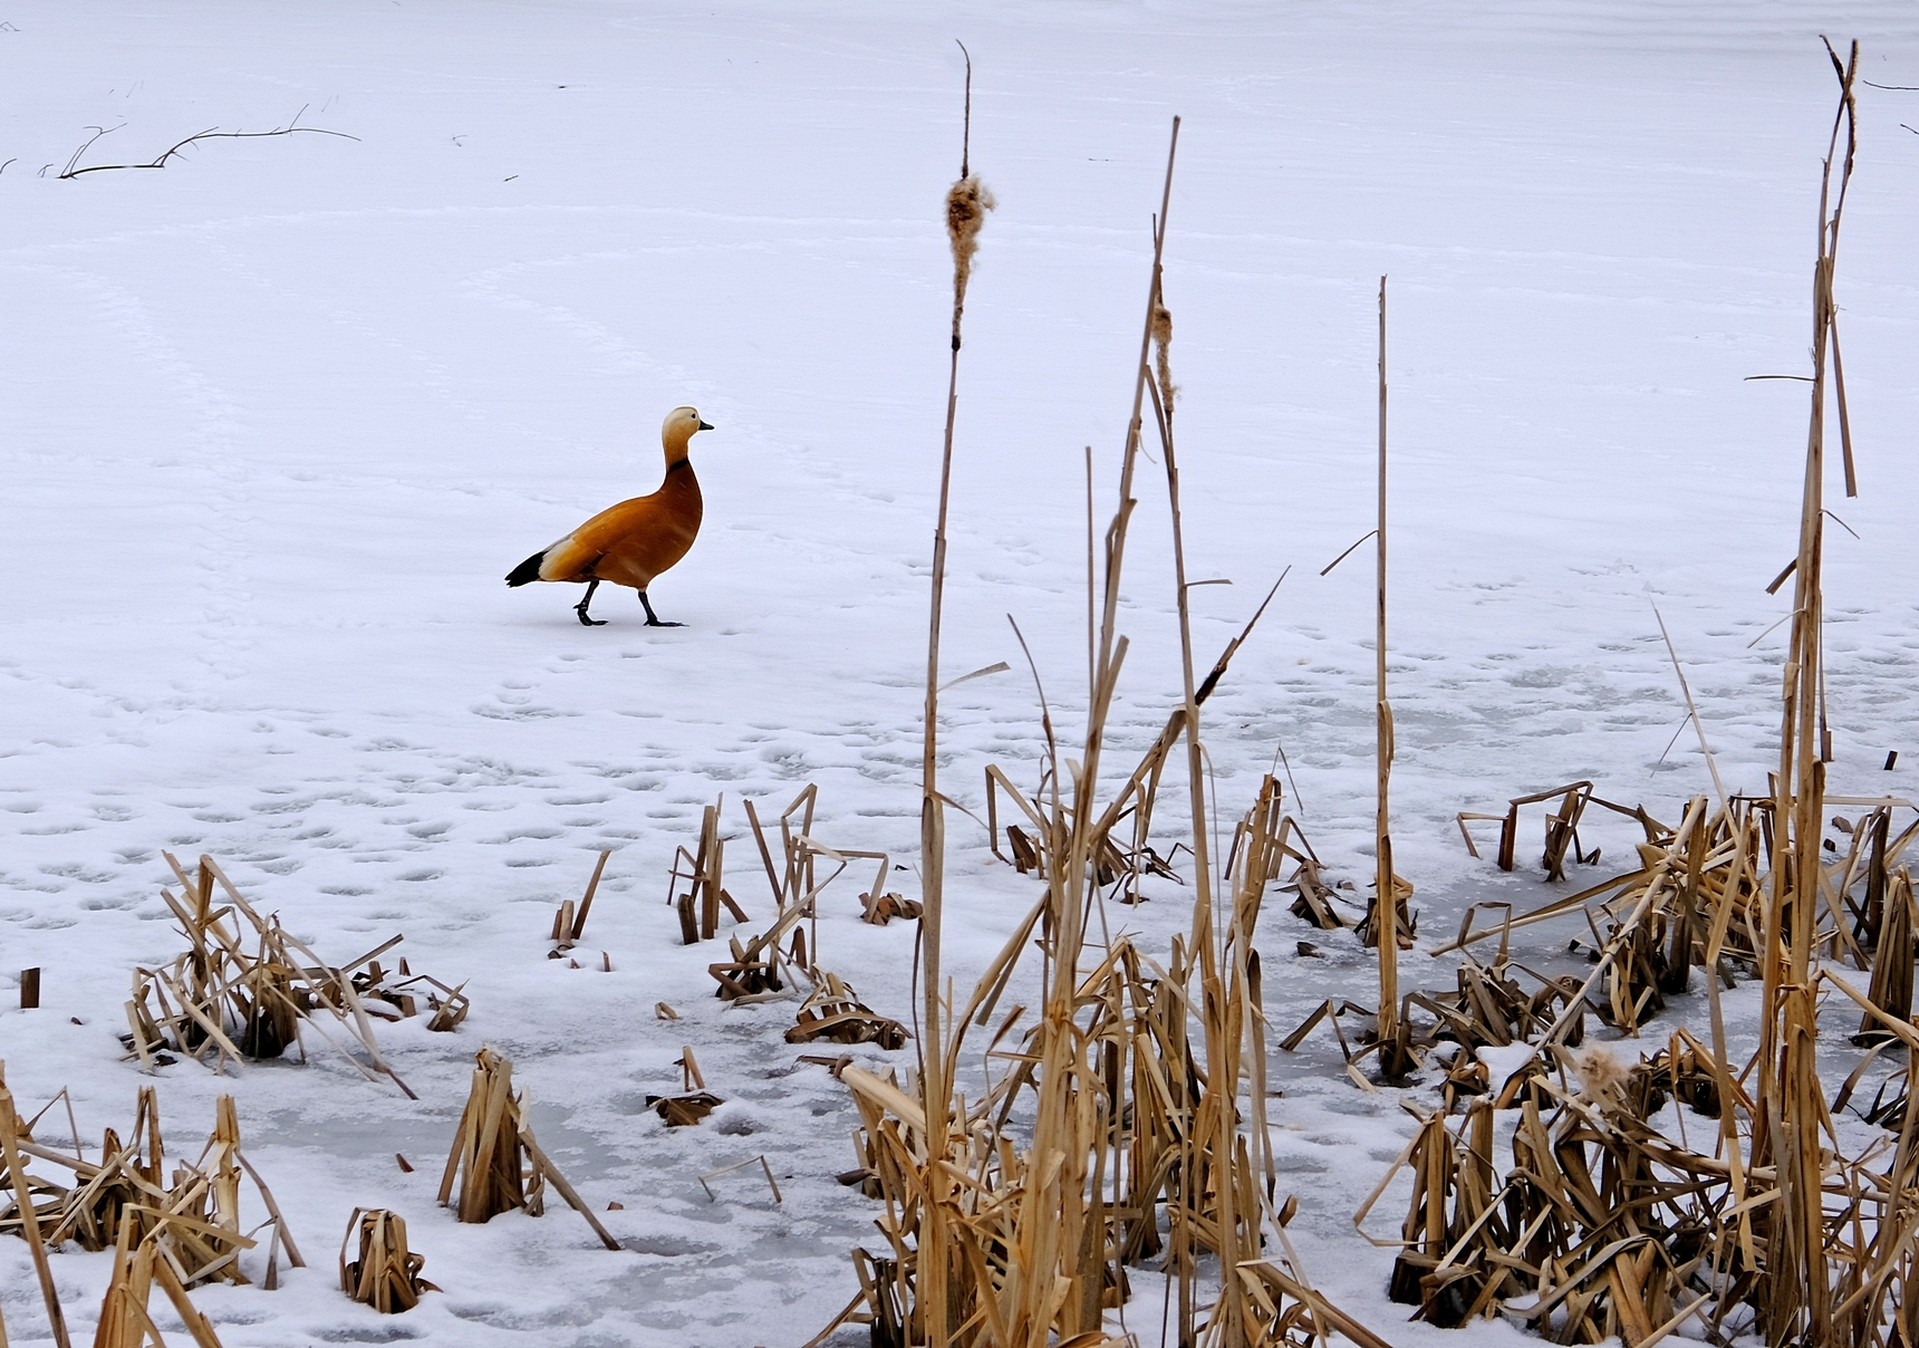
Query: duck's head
680, 425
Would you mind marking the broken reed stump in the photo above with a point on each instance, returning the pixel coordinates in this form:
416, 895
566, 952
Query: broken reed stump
686, 1109
569, 922
699, 904
404, 994
1562, 827
834, 1012
386, 1276
693, 1103
124, 1319
488, 1159
1892, 965
495, 1164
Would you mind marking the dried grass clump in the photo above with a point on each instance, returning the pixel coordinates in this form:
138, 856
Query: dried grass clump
190, 1212
763, 965
245, 988
1696, 898
1599, 1226
1618, 1217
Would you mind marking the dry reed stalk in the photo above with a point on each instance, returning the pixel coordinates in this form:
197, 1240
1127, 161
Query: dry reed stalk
1286, 1312
29, 1215
967, 203
386, 1275
1892, 968
1788, 1130
1224, 1029
698, 905
1388, 915
569, 920
124, 1322
796, 825
760, 1161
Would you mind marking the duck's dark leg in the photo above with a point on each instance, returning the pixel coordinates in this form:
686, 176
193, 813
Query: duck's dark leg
580, 608
652, 618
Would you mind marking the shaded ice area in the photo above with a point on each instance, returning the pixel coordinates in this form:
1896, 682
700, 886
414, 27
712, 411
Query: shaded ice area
278, 417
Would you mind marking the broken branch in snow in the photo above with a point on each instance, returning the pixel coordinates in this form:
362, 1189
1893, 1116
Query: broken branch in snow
74, 169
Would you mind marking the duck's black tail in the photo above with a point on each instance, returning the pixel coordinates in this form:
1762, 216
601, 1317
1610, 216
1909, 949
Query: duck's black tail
526, 572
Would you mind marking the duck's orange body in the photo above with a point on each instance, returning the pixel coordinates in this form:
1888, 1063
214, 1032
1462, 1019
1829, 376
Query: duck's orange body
634, 541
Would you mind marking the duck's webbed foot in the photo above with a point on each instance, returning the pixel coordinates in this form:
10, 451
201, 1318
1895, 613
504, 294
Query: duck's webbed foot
652, 618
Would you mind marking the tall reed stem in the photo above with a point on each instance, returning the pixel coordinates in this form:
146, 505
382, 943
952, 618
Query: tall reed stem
1394, 1061
966, 205
1791, 1102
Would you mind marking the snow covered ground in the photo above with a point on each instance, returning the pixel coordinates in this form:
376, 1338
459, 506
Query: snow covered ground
275, 420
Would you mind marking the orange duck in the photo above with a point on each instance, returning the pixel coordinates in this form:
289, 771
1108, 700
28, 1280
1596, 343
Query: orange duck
634, 541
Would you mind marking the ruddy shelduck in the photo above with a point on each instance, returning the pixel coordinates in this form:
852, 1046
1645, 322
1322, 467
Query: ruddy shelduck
634, 541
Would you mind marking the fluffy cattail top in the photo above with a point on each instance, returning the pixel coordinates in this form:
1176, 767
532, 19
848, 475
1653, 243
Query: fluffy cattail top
1603, 1079
1162, 353
966, 207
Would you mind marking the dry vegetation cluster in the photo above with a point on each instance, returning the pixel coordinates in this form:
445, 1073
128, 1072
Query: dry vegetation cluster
1119, 1125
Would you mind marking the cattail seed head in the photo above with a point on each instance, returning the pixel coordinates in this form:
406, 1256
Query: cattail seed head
1603, 1079
966, 207
1162, 347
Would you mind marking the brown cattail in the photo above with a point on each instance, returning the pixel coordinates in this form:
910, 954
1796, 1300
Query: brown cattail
966, 207
1162, 347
